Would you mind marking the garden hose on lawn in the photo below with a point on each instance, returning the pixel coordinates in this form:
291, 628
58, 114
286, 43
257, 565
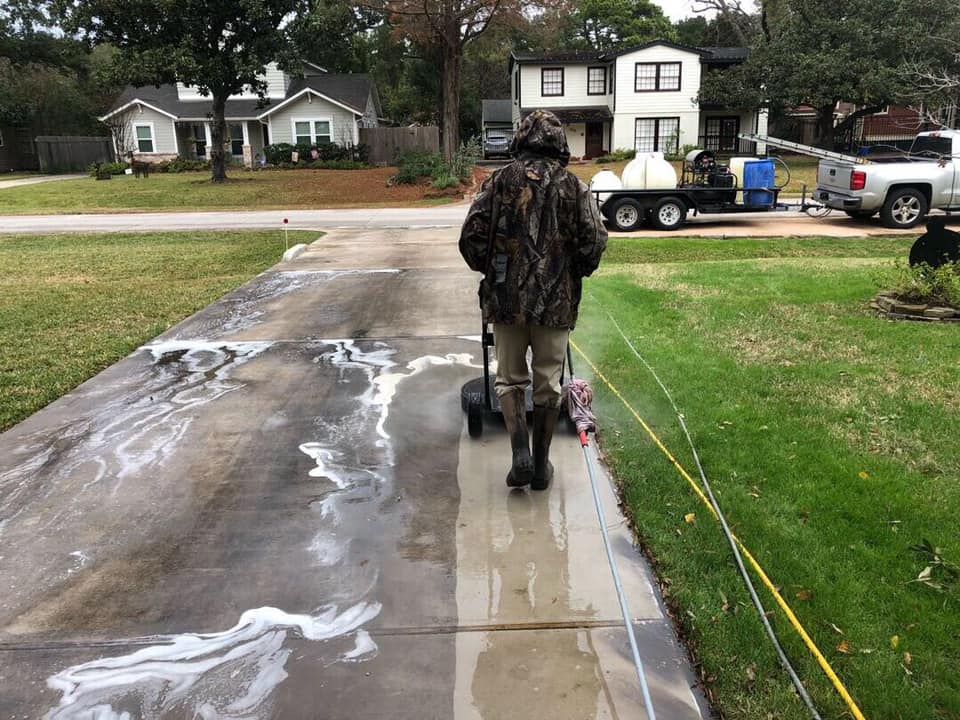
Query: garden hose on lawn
579, 397
737, 547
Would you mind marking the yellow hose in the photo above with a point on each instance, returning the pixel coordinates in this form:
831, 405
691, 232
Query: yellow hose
807, 640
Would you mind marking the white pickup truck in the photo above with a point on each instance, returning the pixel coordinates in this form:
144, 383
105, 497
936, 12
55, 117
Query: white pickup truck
901, 188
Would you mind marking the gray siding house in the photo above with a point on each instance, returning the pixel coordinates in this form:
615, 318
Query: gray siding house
174, 120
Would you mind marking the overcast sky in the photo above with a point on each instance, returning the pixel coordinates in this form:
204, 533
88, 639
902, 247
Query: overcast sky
680, 9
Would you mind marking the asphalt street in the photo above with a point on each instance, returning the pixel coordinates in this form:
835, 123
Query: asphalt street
274, 510
766, 224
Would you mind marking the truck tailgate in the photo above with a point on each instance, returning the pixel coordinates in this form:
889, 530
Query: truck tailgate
834, 175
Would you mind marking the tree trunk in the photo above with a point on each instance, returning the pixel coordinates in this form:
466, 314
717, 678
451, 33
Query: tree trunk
450, 97
218, 132
825, 131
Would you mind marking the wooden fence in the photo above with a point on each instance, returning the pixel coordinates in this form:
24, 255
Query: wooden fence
60, 153
386, 143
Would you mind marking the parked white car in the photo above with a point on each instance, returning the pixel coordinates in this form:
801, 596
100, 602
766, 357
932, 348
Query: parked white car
903, 189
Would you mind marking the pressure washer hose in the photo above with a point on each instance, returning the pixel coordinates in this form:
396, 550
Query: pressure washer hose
784, 660
579, 398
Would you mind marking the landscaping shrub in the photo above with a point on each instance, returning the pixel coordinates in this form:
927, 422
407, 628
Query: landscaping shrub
180, 165
618, 155
681, 154
279, 154
924, 284
114, 168
415, 165
338, 165
466, 157
442, 182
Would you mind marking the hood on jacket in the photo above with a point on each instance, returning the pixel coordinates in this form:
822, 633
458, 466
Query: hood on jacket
541, 133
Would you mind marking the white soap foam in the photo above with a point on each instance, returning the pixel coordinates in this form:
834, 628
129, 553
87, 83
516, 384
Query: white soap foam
364, 649
164, 674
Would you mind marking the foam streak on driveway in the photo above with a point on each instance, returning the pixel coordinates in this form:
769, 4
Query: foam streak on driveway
274, 510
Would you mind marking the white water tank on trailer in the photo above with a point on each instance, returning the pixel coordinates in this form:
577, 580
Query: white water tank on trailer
605, 180
634, 175
736, 167
649, 171
661, 175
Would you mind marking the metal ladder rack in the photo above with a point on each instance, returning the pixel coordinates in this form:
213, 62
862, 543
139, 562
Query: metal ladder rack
803, 149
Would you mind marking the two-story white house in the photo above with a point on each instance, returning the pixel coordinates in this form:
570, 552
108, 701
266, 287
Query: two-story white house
174, 120
642, 98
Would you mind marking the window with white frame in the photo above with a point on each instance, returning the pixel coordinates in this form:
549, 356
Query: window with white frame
236, 139
596, 81
312, 132
144, 136
551, 82
198, 132
657, 77
657, 135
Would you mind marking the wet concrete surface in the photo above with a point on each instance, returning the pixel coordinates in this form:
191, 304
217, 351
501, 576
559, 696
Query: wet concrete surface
274, 510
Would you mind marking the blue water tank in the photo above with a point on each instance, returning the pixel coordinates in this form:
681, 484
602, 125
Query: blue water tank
758, 174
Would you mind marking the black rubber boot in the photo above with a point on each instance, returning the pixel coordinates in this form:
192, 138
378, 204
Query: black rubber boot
544, 422
514, 406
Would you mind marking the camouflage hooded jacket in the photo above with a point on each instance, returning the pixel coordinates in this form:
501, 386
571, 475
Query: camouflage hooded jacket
548, 235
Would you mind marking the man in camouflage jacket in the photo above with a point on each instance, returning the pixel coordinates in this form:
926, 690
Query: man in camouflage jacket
534, 231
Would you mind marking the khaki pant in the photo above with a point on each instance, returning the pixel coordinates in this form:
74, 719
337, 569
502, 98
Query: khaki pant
549, 346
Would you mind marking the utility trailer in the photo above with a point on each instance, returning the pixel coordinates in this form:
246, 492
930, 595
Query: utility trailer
667, 209
705, 187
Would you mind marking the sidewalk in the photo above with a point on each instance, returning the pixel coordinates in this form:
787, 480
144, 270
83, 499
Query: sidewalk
36, 179
274, 510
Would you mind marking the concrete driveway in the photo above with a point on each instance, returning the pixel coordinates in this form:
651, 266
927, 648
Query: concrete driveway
274, 510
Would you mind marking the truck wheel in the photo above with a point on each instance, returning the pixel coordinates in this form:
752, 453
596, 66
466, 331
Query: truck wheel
861, 215
669, 214
904, 208
626, 214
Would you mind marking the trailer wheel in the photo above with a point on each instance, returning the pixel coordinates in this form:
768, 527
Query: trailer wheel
904, 208
669, 214
626, 214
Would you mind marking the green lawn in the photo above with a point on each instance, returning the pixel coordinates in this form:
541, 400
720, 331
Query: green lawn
245, 190
830, 438
70, 305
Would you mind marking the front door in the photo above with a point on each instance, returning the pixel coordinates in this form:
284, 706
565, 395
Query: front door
722, 134
594, 140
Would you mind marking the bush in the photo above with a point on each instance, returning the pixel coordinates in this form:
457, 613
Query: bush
442, 182
924, 284
180, 165
114, 168
338, 165
279, 154
681, 154
415, 165
466, 157
618, 155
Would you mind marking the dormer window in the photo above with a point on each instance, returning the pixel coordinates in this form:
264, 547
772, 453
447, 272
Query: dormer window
551, 82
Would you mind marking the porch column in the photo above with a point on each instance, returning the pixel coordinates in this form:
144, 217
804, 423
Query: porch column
247, 150
176, 140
